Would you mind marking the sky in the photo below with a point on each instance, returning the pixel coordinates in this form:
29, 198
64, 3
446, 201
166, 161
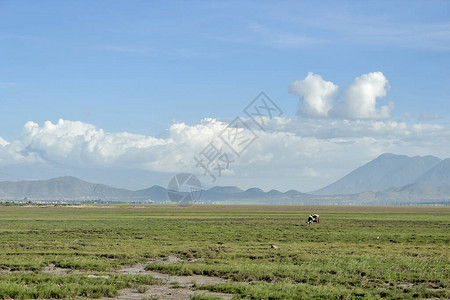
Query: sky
130, 93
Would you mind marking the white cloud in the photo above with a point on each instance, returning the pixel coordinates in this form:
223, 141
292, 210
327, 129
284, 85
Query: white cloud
318, 95
75, 142
15, 153
360, 102
361, 98
3, 142
303, 154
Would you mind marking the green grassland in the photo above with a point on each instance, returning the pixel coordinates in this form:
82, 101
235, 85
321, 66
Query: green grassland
355, 252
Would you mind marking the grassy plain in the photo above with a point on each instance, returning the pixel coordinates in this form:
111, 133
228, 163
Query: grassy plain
355, 252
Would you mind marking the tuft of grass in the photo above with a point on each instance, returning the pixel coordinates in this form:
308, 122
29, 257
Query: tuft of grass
142, 289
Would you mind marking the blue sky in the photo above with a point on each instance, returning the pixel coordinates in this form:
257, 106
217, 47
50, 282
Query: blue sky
141, 66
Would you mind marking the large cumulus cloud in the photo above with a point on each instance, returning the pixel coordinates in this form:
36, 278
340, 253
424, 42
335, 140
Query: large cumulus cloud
78, 143
319, 98
318, 95
75, 142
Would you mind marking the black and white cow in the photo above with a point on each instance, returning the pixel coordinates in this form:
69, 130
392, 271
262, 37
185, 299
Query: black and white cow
313, 219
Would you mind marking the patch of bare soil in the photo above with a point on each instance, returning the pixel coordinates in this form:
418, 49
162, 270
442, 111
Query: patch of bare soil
171, 287
51, 269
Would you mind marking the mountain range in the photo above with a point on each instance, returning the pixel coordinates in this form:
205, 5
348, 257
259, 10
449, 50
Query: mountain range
388, 179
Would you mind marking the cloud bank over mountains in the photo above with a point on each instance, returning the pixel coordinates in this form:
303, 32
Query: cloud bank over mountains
291, 150
305, 153
319, 97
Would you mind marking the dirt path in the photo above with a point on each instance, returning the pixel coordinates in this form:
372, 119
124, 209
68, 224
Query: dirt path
171, 287
167, 292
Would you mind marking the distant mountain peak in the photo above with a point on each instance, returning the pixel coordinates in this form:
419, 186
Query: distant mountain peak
386, 171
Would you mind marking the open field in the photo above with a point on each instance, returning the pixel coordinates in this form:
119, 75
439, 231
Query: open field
355, 252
